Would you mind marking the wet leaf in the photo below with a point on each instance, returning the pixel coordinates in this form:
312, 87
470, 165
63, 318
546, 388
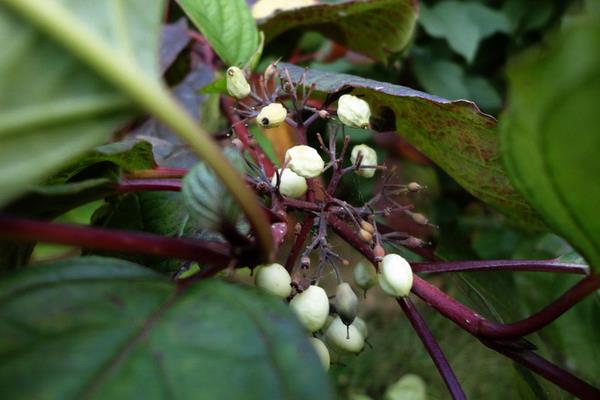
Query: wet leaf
103, 328
374, 27
454, 134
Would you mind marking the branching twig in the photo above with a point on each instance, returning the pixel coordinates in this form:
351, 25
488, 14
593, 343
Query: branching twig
433, 348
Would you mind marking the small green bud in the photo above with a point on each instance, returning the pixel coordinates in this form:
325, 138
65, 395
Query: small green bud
237, 85
291, 184
274, 279
311, 307
344, 338
369, 158
346, 303
271, 116
305, 161
395, 275
353, 112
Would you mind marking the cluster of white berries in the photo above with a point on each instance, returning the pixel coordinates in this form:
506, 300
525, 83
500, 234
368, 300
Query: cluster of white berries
346, 332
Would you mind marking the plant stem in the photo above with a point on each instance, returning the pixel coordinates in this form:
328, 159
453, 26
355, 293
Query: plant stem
543, 317
299, 240
139, 185
242, 133
149, 93
158, 173
433, 348
548, 370
500, 265
28, 230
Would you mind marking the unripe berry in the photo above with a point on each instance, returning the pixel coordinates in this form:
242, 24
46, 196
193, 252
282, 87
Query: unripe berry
365, 236
322, 351
271, 116
346, 303
395, 275
367, 226
305, 161
311, 307
414, 187
419, 218
379, 251
353, 112
237, 85
275, 279
291, 184
369, 158
364, 275
344, 338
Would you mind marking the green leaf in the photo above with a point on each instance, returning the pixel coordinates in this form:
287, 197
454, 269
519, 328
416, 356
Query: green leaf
52, 108
454, 134
102, 328
160, 213
550, 134
463, 24
228, 27
207, 198
106, 36
129, 155
374, 27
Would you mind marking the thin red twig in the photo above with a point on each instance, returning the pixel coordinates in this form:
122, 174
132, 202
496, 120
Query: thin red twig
433, 348
500, 265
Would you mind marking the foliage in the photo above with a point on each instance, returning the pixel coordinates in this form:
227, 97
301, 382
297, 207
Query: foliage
118, 139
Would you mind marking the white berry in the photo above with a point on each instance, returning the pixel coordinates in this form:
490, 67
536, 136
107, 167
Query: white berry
271, 116
344, 338
237, 85
265, 8
353, 112
322, 351
311, 307
291, 184
369, 159
274, 279
395, 275
305, 161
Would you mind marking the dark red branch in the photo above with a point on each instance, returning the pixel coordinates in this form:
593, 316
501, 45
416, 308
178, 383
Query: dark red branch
543, 317
433, 348
299, 240
546, 369
27, 230
158, 173
241, 130
500, 265
140, 185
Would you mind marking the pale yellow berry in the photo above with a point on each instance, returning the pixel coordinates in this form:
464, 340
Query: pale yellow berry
369, 159
271, 116
305, 161
353, 112
291, 184
311, 307
322, 352
237, 85
274, 279
395, 275
344, 338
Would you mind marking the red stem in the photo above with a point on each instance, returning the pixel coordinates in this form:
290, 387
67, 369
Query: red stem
433, 348
140, 185
27, 230
158, 173
543, 317
500, 265
242, 133
548, 370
